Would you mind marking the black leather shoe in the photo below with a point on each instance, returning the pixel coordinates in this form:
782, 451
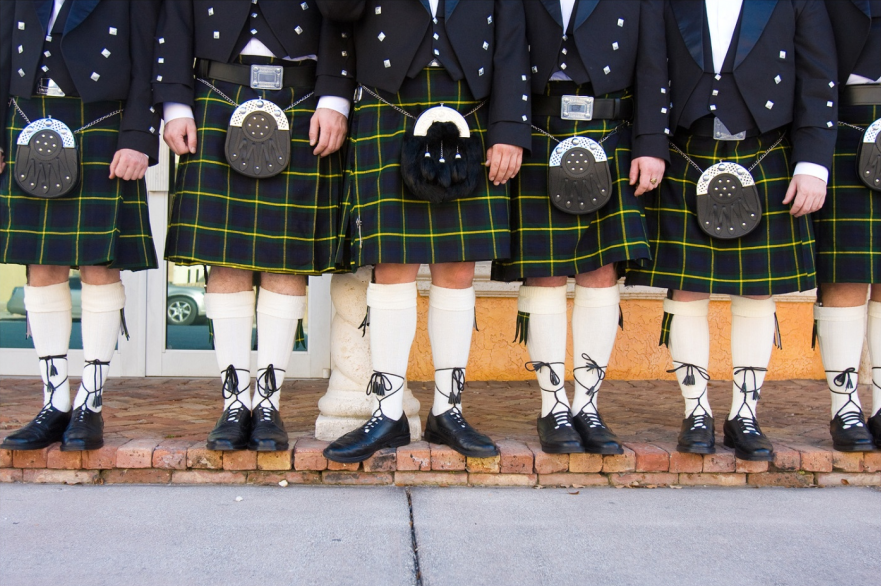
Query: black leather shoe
875, 427
556, 434
749, 443
232, 431
697, 435
379, 432
451, 429
596, 437
84, 432
42, 431
267, 430
850, 433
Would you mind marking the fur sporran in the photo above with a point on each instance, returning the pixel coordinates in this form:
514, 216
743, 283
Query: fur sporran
869, 157
46, 161
728, 204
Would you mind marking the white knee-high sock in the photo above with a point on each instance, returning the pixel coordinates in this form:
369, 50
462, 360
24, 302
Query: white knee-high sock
277, 319
594, 328
102, 305
546, 342
841, 331
689, 346
48, 311
874, 335
232, 319
450, 323
392, 329
752, 338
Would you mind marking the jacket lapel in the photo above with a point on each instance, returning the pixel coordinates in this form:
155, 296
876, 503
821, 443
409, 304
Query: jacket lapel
690, 17
864, 6
553, 8
755, 17
78, 13
585, 9
427, 6
449, 7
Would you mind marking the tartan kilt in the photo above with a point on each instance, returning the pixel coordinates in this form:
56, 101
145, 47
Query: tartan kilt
777, 257
283, 224
383, 222
848, 226
101, 222
547, 242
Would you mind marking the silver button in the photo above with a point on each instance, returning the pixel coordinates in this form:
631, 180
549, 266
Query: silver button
434, 20
152, 130
152, 110
829, 104
160, 60
112, 31
525, 98
666, 131
525, 118
298, 30
304, 5
620, 22
777, 79
489, 19
47, 54
21, 72
106, 53
565, 38
783, 54
45, 68
534, 69
345, 53
95, 76
387, 63
381, 36
211, 12
715, 92
20, 25
663, 90
435, 36
485, 45
436, 52
769, 104
216, 34
161, 40
253, 31
20, 49
713, 107
829, 124
378, 10
718, 77
615, 46
158, 78
48, 38
344, 73
831, 84
663, 110
565, 51
563, 66
480, 71
607, 70
523, 77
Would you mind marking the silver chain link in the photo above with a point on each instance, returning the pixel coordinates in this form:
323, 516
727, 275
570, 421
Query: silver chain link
231, 101
86, 127
851, 126
764, 154
610, 134
409, 115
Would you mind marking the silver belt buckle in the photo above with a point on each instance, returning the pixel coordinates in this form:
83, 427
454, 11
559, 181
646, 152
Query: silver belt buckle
576, 108
721, 132
267, 77
48, 87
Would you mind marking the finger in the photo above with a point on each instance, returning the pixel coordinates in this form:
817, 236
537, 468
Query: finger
192, 140
114, 164
502, 172
489, 156
314, 127
518, 162
798, 205
790, 193
177, 143
634, 173
336, 141
495, 162
323, 143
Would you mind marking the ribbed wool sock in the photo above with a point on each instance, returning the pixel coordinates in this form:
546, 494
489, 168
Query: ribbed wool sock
277, 319
392, 329
450, 323
689, 344
546, 342
102, 307
232, 319
49, 319
874, 335
594, 328
752, 338
841, 332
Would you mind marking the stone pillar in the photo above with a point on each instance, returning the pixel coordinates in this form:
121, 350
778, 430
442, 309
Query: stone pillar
346, 405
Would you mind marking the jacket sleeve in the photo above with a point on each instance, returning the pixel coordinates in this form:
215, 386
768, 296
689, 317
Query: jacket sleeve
7, 14
510, 111
652, 118
140, 122
173, 54
342, 10
336, 60
815, 113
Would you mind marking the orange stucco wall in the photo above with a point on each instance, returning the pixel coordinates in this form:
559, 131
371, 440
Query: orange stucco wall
637, 355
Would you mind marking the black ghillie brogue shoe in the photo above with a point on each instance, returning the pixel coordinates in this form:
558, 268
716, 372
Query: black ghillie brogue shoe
697, 435
42, 431
268, 433
557, 434
744, 435
850, 433
451, 429
595, 435
233, 429
875, 428
85, 430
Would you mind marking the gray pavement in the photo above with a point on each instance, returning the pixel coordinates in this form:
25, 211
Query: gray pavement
170, 535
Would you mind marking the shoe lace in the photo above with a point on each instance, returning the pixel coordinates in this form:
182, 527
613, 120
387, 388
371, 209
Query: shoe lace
593, 419
689, 380
561, 417
699, 421
266, 388
591, 391
98, 388
854, 416
230, 390
379, 385
49, 363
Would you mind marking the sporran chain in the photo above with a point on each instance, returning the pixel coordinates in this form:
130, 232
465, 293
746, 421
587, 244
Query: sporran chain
761, 157
611, 133
234, 104
86, 127
409, 115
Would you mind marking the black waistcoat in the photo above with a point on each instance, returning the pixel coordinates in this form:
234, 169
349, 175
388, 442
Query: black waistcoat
436, 45
569, 61
257, 27
52, 62
718, 94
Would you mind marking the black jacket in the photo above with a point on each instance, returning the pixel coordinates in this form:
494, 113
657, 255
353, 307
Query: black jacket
851, 22
120, 29
621, 45
209, 29
488, 38
784, 69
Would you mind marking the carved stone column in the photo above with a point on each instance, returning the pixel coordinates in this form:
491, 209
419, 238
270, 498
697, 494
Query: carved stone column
346, 405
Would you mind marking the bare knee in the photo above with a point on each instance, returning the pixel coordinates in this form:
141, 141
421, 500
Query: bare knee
294, 285
99, 275
603, 277
45, 275
686, 296
453, 275
844, 294
228, 280
545, 281
395, 273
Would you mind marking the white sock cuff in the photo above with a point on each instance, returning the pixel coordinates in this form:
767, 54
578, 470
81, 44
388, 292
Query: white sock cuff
451, 299
542, 300
397, 296
874, 309
699, 308
103, 298
843, 314
281, 306
597, 297
746, 307
50, 299
229, 305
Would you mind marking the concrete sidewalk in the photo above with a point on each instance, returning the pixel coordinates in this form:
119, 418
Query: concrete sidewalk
168, 535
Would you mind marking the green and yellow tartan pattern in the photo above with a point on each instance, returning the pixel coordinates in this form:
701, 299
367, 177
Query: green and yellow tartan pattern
283, 224
777, 257
548, 242
101, 222
382, 221
848, 226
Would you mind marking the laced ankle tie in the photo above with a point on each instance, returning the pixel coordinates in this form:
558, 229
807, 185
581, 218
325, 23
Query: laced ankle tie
457, 385
380, 385
689, 379
850, 418
757, 390
561, 418
700, 421
230, 390
266, 388
591, 365
51, 371
98, 382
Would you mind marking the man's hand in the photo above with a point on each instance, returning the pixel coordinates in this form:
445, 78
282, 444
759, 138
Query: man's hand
808, 192
646, 173
504, 162
2, 162
128, 164
180, 136
327, 131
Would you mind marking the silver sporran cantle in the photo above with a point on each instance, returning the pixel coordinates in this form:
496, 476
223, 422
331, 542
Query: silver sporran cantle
869, 157
728, 204
46, 160
579, 179
258, 140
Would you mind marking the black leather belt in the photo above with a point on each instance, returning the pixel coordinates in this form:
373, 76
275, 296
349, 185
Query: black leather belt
602, 109
297, 76
705, 128
861, 95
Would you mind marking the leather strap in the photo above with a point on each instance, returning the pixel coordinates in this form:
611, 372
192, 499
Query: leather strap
302, 76
861, 95
602, 109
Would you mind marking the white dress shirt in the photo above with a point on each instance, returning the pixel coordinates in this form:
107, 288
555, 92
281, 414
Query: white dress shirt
55, 10
566, 7
722, 18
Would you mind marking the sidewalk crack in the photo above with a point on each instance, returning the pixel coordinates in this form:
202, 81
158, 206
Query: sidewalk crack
417, 572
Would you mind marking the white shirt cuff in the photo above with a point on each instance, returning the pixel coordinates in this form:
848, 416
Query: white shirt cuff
172, 110
814, 170
337, 103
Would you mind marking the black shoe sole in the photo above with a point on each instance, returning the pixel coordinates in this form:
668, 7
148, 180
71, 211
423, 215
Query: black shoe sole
604, 451
704, 451
560, 449
870, 447
738, 453
226, 446
267, 446
393, 443
433, 438
82, 446
28, 446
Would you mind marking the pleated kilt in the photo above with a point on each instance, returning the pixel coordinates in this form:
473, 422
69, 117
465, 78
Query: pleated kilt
101, 222
547, 242
777, 257
283, 224
383, 221
848, 226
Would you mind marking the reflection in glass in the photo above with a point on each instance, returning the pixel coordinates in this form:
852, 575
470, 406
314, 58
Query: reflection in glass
13, 321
